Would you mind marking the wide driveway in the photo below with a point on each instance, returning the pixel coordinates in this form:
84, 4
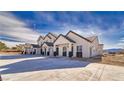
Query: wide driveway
28, 67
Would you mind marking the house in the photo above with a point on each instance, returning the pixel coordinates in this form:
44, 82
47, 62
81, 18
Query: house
30, 49
75, 45
69, 45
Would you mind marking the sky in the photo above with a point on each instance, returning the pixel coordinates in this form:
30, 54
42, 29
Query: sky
18, 27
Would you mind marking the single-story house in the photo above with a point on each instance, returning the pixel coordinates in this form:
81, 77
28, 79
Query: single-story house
69, 45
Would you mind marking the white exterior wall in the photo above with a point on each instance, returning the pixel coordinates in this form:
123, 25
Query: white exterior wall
96, 49
100, 50
48, 49
79, 41
40, 42
47, 39
38, 51
61, 42
51, 51
52, 38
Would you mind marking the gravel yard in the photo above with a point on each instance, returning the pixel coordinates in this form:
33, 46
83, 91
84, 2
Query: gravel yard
28, 67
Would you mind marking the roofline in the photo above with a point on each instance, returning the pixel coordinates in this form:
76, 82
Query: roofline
46, 36
96, 37
39, 38
62, 36
44, 43
52, 34
79, 36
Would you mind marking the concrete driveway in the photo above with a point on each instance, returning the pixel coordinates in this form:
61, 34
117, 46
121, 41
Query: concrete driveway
28, 67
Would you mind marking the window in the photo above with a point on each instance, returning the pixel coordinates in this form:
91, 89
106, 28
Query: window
64, 49
79, 48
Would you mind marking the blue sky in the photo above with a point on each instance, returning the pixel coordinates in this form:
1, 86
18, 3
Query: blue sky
21, 27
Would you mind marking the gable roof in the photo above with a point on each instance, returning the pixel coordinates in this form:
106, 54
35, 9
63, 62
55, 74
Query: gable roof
78, 36
92, 38
67, 38
53, 34
40, 38
47, 36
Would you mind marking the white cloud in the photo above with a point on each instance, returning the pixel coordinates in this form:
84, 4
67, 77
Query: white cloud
10, 43
122, 40
12, 27
121, 43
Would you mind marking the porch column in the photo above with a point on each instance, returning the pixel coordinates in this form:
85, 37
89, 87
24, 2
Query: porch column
74, 50
69, 49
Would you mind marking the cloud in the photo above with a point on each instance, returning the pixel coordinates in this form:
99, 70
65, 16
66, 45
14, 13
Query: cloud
108, 27
11, 43
121, 42
15, 29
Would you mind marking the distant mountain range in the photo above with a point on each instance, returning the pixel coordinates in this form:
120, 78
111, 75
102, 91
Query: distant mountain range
114, 50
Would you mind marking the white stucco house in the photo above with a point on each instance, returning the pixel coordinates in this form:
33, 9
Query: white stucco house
69, 45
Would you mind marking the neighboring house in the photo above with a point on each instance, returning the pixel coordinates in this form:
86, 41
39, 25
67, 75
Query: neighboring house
31, 49
70, 45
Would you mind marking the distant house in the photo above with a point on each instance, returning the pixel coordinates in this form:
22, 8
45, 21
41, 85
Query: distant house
30, 48
69, 45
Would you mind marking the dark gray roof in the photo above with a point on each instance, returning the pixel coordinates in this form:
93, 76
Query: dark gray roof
53, 34
48, 43
78, 35
69, 39
35, 45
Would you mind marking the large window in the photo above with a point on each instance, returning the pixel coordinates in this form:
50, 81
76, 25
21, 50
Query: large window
79, 48
79, 51
64, 49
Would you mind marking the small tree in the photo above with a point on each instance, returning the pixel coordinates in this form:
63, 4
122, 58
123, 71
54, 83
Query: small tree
19, 47
3, 46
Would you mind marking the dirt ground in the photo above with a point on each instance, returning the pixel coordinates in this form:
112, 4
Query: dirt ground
116, 59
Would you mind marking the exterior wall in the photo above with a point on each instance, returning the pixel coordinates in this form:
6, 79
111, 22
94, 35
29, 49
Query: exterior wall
38, 51
47, 39
97, 48
48, 49
79, 41
62, 42
100, 50
52, 38
40, 42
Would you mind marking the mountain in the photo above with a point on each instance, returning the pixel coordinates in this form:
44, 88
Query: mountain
114, 50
